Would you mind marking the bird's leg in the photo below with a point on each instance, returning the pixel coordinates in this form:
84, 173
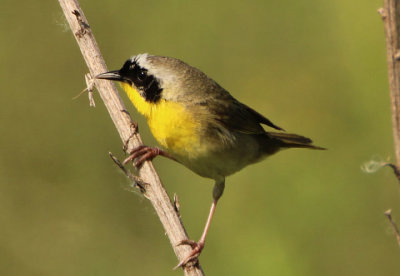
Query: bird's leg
144, 153
197, 247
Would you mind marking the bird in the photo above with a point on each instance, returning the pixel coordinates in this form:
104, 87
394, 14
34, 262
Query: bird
198, 124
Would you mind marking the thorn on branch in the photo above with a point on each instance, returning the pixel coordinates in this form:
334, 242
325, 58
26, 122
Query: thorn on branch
89, 87
177, 205
134, 130
134, 126
84, 26
382, 12
388, 214
126, 112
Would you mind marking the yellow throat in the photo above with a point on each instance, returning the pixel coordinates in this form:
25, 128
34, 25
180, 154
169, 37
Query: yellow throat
170, 123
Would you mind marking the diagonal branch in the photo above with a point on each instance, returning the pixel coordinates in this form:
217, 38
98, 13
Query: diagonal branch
155, 192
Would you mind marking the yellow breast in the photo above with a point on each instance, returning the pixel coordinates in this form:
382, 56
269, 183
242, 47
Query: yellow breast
172, 126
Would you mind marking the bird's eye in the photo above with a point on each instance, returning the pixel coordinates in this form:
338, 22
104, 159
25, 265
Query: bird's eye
142, 75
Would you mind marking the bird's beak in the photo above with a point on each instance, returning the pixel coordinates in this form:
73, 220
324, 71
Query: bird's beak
112, 75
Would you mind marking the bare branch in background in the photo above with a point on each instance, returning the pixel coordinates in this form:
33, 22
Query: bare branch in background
388, 214
390, 14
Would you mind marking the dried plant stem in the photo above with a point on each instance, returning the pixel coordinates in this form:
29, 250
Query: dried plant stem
391, 17
155, 192
388, 214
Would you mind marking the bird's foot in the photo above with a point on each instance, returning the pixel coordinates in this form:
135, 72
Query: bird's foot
143, 153
197, 247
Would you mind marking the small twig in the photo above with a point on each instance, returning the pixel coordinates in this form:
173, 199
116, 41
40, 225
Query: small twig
388, 214
396, 170
373, 166
89, 87
135, 179
381, 11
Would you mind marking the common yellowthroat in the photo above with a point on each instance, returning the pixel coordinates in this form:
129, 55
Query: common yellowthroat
198, 123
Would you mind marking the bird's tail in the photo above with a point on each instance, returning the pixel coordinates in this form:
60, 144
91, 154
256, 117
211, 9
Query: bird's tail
288, 140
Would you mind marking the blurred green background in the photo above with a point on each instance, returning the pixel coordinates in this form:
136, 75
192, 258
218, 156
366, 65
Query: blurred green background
316, 68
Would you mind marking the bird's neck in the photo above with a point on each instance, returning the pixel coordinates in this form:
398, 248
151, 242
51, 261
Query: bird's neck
137, 100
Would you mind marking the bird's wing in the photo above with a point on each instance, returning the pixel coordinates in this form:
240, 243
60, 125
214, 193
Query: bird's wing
260, 118
234, 115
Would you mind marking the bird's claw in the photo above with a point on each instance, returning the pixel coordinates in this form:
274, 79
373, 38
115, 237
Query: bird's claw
144, 153
197, 247
192, 243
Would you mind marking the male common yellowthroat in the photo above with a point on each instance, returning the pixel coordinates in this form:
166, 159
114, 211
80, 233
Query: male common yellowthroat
198, 123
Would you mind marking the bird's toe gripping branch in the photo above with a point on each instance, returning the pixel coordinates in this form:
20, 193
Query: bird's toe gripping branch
197, 247
145, 153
